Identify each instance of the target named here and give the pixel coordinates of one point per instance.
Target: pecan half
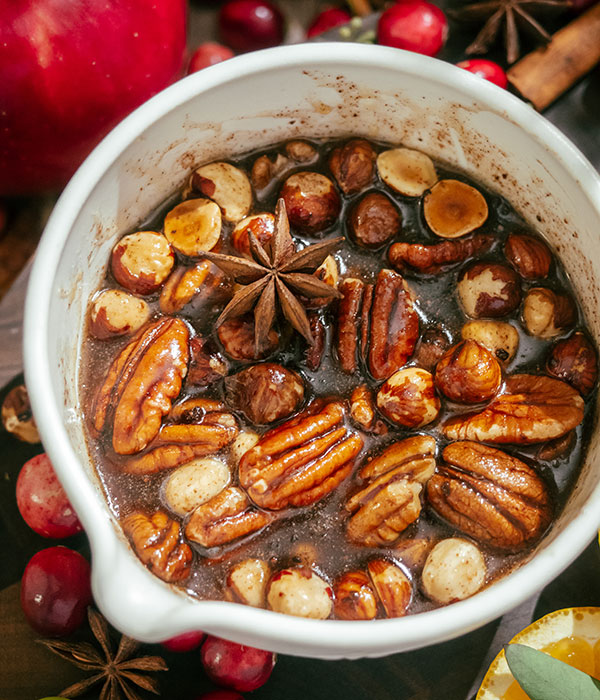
(302, 460)
(157, 542)
(225, 518)
(314, 353)
(532, 409)
(490, 495)
(354, 295)
(141, 383)
(353, 165)
(413, 457)
(430, 259)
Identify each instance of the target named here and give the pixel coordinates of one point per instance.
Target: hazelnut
(374, 220)
(311, 201)
(17, 417)
(353, 165)
(393, 587)
(195, 285)
(408, 398)
(300, 151)
(468, 373)
(142, 261)
(452, 209)
(261, 225)
(207, 365)
(194, 226)
(228, 186)
(237, 338)
(433, 344)
(247, 582)
(454, 570)
(265, 171)
(265, 393)
(547, 313)
(354, 597)
(300, 592)
(406, 171)
(115, 312)
(530, 255)
(327, 272)
(244, 441)
(574, 359)
(489, 290)
(195, 483)
(498, 337)
(362, 407)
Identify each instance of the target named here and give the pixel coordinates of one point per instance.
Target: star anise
(277, 273)
(511, 14)
(118, 672)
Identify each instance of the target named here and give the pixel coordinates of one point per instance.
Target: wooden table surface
(28, 671)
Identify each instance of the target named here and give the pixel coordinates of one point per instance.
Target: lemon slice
(571, 635)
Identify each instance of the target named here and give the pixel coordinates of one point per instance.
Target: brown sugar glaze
(320, 529)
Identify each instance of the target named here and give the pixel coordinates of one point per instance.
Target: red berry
(2, 218)
(415, 25)
(42, 501)
(326, 20)
(236, 666)
(184, 642)
(221, 695)
(208, 54)
(485, 69)
(247, 25)
(55, 591)
(581, 5)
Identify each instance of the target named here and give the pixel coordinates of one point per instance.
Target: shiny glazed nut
(301, 461)
(197, 283)
(237, 338)
(353, 307)
(247, 582)
(468, 373)
(228, 186)
(141, 383)
(194, 483)
(300, 151)
(489, 290)
(265, 392)
(429, 259)
(532, 409)
(142, 261)
(314, 353)
(555, 449)
(547, 314)
(115, 312)
(530, 256)
(406, 171)
(362, 407)
(17, 417)
(490, 495)
(408, 398)
(353, 165)
(265, 171)
(227, 517)
(156, 540)
(574, 360)
(500, 338)
(194, 226)
(311, 202)
(374, 220)
(452, 209)
(455, 569)
(413, 457)
(354, 597)
(413, 552)
(327, 272)
(432, 345)
(245, 440)
(300, 592)
(392, 586)
(207, 365)
(261, 225)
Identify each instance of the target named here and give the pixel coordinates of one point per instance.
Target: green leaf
(543, 677)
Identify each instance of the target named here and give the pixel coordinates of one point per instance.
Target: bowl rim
(342, 637)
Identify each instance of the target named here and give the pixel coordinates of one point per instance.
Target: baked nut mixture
(335, 380)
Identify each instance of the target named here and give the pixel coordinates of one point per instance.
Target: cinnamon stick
(543, 75)
(360, 7)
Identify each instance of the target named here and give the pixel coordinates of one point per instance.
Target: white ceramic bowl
(324, 90)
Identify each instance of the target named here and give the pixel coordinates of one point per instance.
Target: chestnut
(408, 398)
(489, 290)
(353, 165)
(547, 313)
(374, 221)
(468, 373)
(226, 185)
(142, 261)
(311, 201)
(194, 226)
(300, 592)
(115, 312)
(455, 569)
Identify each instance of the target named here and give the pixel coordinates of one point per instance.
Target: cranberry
(184, 642)
(208, 54)
(221, 695)
(328, 19)
(247, 25)
(55, 591)
(415, 25)
(42, 501)
(485, 69)
(236, 666)
(580, 5)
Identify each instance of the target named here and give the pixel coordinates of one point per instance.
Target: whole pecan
(141, 383)
(430, 259)
(532, 409)
(226, 517)
(490, 495)
(353, 165)
(302, 460)
(157, 541)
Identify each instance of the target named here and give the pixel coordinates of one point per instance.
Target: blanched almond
(194, 226)
(406, 171)
(195, 483)
(228, 186)
(453, 209)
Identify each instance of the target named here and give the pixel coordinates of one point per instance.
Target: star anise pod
(277, 273)
(119, 672)
(510, 14)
